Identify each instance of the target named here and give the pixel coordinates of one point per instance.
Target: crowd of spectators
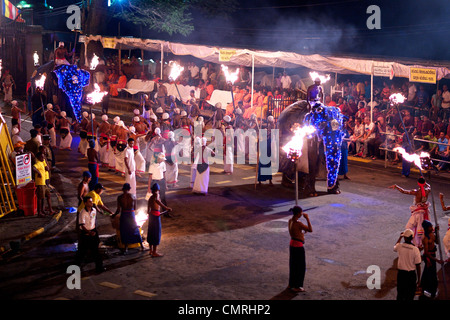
(422, 117)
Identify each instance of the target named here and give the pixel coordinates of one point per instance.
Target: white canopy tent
(276, 59)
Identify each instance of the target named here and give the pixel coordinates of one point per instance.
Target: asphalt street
(231, 244)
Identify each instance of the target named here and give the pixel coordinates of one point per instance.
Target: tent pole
(162, 60)
(371, 95)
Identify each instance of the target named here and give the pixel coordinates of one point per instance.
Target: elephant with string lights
(321, 148)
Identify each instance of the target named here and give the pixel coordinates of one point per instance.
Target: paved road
(231, 244)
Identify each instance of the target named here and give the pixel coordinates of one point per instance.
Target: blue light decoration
(72, 80)
(328, 122)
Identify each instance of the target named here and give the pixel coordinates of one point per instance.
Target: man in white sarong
(64, 130)
(83, 143)
(171, 161)
(139, 159)
(201, 182)
(119, 153)
(229, 146)
(130, 165)
(104, 131)
(50, 117)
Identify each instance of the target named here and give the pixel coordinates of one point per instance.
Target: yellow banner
(425, 75)
(109, 43)
(225, 55)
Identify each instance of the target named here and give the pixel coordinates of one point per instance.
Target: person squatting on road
(297, 260)
(408, 265)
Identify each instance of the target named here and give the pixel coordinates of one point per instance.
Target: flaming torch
(96, 96)
(94, 62)
(323, 79)
(294, 148)
(232, 78)
(175, 71)
(36, 59)
(396, 99)
(414, 158)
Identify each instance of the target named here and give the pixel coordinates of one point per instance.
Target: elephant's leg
(332, 144)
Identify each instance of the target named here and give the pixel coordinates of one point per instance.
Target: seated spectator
(431, 148)
(427, 125)
(355, 147)
(121, 83)
(370, 135)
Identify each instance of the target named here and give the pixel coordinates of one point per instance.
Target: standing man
(408, 265)
(15, 114)
(89, 239)
(129, 230)
(445, 104)
(130, 165)
(297, 261)
(419, 210)
(64, 130)
(40, 169)
(93, 160)
(50, 117)
(314, 92)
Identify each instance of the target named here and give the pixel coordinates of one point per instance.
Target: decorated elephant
(324, 146)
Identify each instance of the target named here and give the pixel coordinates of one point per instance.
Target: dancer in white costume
(201, 182)
(83, 143)
(229, 146)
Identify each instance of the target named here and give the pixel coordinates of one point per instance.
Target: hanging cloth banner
(10, 11)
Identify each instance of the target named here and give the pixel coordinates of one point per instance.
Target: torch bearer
(94, 97)
(294, 148)
(232, 78)
(175, 71)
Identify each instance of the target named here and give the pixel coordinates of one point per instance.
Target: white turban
(176, 110)
(171, 135)
(116, 119)
(132, 129)
(270, 119)
(183, 113)
(105, 117)
(238, 111)
(121, 124)
(49, 106)
(153, 117)
(63, 114)
(14, 103)
(136, 111)
(165, 116)
(15, 130)
(227, 118)
(85, 114)
(200, 119)
(136, 119)
(159, 110)
(158, 131)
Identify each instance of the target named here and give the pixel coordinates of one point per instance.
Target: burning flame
(94, 62)
(175, 70)
(140, 217)
(415, 158)
(230, 76)
(36, 58)
(96, 96)
(314, 75)
(397, 98)
(40, 83)
(295, 145)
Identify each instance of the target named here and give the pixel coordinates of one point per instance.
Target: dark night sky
(409, 28)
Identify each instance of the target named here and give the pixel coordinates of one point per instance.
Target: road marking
(145, 293)
(222, 182)
(248, 178)
(110, 285)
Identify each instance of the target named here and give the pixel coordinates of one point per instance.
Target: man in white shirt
(89, 240)
(369, 137)
(204, 72)
(156, 175)
(285, 81)
(408, 265)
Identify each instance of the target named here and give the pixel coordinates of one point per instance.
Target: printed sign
(23, 168)
(425, 75)
(109, 43)
(225, 55)
(382, 71)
